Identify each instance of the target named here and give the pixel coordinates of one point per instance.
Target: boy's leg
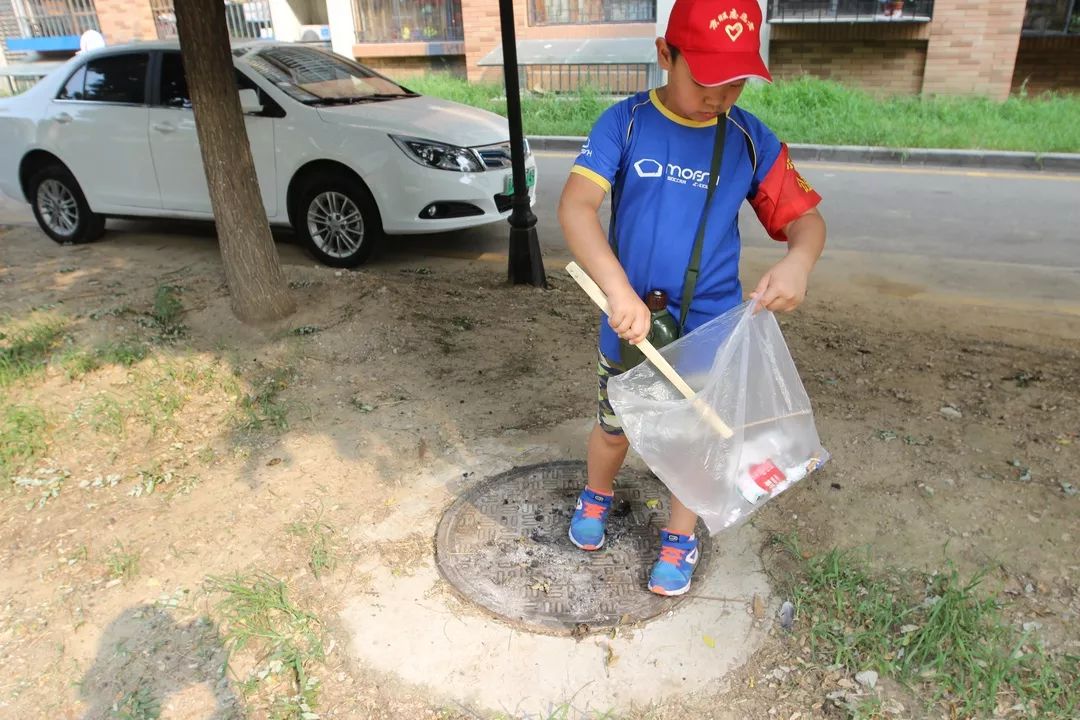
(682, 520)
(607, 448)
(607, 451)
(607, 442)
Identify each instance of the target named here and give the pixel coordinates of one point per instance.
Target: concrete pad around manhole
(419, 629)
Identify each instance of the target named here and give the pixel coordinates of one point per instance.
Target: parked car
(343, 154)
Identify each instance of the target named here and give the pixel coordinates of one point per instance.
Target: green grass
(321, 554)
(159, 396)
(25, 348)
(263, 407)
(23, 437)
(255, 611)
(940, 634)
(104, 413)
(165, 315)
(78, 362)
(122, 565)
(820, 111)
(137, 705)
(124, 352)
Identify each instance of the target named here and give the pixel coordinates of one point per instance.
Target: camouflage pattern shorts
(605, 414)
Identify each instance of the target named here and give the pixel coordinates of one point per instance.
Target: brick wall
(1048, 63)
(885, 59)
(973, 45)
(482, 34)
(402, 68)
(125, 20)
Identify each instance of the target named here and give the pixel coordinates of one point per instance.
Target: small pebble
(867, 678)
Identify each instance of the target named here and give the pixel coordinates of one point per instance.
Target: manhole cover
(504, 545)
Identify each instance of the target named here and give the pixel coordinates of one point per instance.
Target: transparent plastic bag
(740, 367)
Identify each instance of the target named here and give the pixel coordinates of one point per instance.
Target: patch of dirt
(953, 434)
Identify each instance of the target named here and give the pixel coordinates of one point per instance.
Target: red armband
(783, 196)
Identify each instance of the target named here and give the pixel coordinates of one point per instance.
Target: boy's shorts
(605, 414)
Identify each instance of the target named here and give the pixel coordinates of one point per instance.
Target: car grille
(496, 157)
(503, 202)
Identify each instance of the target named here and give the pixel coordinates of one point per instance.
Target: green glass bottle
(663, 330)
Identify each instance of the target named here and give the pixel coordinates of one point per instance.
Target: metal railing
(589, 12)
(822, 11)
(385, 21)
(54, 18)
(1052, 17)
(615, 78)
(247, 19)
(8, 28)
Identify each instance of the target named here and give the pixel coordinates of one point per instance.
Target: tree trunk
(252, 268)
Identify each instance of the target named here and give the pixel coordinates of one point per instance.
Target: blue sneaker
(589, 522)
(678, 557)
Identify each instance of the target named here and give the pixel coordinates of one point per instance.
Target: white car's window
(112, 79)
(73, 89)
(313, 76)
(174, 88)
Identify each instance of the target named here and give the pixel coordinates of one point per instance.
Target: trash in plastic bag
(740, 367)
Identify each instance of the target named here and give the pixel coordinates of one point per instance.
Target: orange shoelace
(592, 511)
(672, 555)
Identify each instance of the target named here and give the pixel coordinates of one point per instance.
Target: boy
(652, 152)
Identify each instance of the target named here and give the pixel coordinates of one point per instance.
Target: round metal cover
(504, 546)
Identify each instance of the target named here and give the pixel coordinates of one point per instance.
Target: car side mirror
(249, 102)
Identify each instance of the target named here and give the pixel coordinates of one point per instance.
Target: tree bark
(257, 286)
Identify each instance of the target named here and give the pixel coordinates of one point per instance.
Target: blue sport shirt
(656, 166)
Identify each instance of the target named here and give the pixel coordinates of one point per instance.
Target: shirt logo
(648, 168)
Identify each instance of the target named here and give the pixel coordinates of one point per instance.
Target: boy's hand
(630, 316)
(783, 288)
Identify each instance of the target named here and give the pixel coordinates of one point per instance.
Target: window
(309, 76)
(379, 21)
(115, 79)
(845, 11)
(73, 90)
(587, 12)
(174, 87)
(1052, 17)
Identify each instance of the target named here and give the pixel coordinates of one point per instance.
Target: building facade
(955, 47)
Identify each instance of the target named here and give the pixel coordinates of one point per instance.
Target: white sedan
(342, 154)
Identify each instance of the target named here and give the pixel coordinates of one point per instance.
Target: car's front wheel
(61, 208)
(338, 219)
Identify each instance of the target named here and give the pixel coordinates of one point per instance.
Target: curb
(1000, 160)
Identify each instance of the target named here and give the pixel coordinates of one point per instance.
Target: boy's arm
(578, 214)
(783, 287)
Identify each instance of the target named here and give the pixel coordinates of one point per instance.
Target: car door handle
(62, 118)
(164, 127)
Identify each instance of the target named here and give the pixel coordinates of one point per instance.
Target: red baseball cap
(720, 39)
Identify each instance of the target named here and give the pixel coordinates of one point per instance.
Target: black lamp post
(526, 265)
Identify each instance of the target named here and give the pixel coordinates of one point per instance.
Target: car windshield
(316, 77)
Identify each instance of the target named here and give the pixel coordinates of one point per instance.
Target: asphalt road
(996, 216)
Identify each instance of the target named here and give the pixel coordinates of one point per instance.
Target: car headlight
(439, 155)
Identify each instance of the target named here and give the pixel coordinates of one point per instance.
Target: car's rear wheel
(338, 219)
(61, 208)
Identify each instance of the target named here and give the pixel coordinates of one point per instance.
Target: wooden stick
(797, 413)
(707, 413)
